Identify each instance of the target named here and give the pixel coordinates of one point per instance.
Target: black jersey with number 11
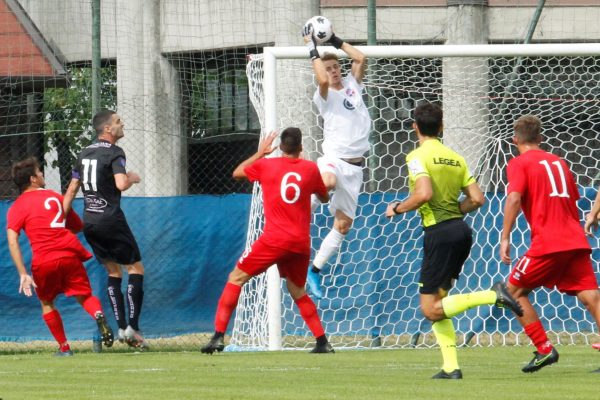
(96, 166)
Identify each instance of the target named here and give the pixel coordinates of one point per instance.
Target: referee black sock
(116, 300)
(135, 296)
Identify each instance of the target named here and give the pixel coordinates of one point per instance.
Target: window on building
(223, 128)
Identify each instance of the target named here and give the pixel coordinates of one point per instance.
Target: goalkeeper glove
(311, 43)
(336, 41)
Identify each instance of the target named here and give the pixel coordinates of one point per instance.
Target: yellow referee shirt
(448, 172)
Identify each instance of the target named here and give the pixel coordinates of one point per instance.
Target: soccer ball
(321, 28)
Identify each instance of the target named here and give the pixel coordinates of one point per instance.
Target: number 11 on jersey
(89, 174)
(563, 181)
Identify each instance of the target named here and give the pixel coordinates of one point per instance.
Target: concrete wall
(188, 25)
(141, 33)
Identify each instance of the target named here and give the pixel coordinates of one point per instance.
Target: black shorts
(112, 241)
(446, 247)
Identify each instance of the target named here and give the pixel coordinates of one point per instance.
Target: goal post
(371, 297)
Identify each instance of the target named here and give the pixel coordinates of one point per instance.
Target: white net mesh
(371, 293)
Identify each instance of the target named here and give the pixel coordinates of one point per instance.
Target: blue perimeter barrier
(190, 243)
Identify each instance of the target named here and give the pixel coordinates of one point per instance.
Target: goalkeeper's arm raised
(359, 60)
(317, 63)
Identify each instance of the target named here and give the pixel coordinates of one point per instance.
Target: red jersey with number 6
(287, 185)
(40, 214)
(548, 196)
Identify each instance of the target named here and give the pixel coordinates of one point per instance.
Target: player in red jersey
(559, 255)
(287, 184)
(57, 254)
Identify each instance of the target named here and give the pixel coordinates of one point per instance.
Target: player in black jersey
(100, 171)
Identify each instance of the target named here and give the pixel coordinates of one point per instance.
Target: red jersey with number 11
(287, 185)
(548, 196)
(40, 214)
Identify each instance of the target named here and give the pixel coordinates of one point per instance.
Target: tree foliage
(68, 115)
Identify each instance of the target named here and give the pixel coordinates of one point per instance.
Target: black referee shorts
(112, 241)
(446, 247)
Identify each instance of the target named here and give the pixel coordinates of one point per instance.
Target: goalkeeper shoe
(105, 331)
(323, 348)
(314, 284)
(505, 300)
(596, 346)
(456, 374)
(216, 343)
(135, 338)
(539, 361)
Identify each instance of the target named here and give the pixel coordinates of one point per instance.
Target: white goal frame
(272, 54)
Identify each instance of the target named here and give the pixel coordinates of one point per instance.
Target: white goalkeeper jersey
(346, 120)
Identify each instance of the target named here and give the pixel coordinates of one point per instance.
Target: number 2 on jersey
(89, 174)
(56, 222)
(563, 181)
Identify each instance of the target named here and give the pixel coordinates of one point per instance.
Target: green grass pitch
(489, 373)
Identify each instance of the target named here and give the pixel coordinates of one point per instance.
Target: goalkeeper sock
(116, 300)
(135, 294)
(55, 325)
(446, 338)
(458, 303)
(538, 337)
(331, 245)
(227, 303)
(92, 306)
(309, 314)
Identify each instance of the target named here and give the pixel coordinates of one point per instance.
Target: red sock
(55, 325)
(92, 306)
(308, 310)
(537, 334)
(227, 303)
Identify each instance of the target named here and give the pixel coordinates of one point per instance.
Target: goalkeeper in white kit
(346, 127)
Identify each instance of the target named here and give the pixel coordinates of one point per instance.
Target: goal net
(371, 293)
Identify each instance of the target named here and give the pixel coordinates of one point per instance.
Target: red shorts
(568, 271)
(65, 275)
(257, 259)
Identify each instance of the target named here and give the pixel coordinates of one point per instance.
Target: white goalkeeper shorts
(349, 179)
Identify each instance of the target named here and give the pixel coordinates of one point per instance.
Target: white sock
(331, 245)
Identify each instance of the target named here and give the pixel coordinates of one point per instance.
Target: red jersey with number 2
(287, 185)
(40, 214)
(548, 196)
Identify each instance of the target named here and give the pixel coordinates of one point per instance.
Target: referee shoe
(540, 360)
(456, 374)
(505, 300)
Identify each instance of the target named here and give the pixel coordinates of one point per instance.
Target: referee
(437, 176)
(100, 169)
